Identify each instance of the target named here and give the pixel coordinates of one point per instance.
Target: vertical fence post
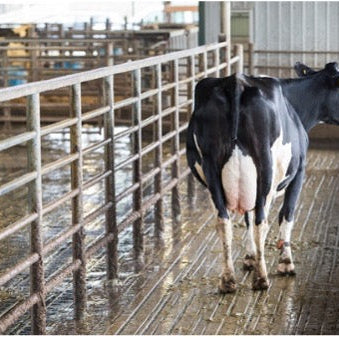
(159, 213)
(251, 58)
(190, 95)
(137, 174)
(239, 51)
(38, 312)
(111, 222)
(205, 63)
(79, 276)
(175, 142)
(33, 55)
(109, 53)
(217, 61)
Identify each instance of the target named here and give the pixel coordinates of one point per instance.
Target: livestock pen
(48, 182)
(116, 239)
(49, 53)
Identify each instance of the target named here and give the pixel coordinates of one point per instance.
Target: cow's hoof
(260, 283)
(227, 285)
(249, 262)
(286, 267)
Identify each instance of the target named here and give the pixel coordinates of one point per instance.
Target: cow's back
(262, 152)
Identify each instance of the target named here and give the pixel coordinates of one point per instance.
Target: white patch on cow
(286, 262)
(239, 176)
(200, 172)
(250, 244)
(239, 180)
(281, 158)
(196, 145)
(197, 165)
(260, 233)
(285, 230)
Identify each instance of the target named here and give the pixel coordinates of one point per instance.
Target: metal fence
(280, 63)
(186, 68)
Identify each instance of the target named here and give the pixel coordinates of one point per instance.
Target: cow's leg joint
(260, 279)
(249, 260)
(285, 265)
(227, 282)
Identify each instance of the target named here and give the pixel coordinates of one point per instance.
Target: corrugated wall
(296, 26)
(209, 21)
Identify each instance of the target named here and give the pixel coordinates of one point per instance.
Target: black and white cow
(247, 141)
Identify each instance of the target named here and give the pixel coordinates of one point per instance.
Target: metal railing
(186, 68)
(280, 63)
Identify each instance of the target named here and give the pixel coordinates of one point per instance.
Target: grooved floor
(177, 292)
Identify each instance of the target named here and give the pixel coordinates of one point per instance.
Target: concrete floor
(177, 292)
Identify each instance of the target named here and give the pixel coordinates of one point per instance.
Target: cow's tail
(235, 107)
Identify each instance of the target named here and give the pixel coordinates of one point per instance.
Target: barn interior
(103, 229)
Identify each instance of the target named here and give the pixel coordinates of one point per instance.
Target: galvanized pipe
(158, 210)
(37, 279)
(69, 80)
(190, 91)
(79, 275)
(138, 242)
(175, 142)
(110, 195)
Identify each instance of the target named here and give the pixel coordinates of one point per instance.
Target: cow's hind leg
(261, 227)
(223, 225)
(227, 282)
(286, 265)
(260, 278)
(249, 261)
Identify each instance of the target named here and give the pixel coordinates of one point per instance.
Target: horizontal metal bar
(54, 40)
(98, 244)
(128, 220)
(148, 94)
(52, 166)
(96, 179)
(126, 162)
(184, 126)
(294, 52)
(16, 140)
(151, 174)
(169, 161)
(58, 126)
(126, 192)
(57, 202)
(125, 102)
(125, 132)
(80, 48)
(18, 182)
(168, 86)
(18, 268)
(234, 60)
(49, 246)
(69, 80)
(96, 213)
(95, 113)
(17, 225)
(94, 147)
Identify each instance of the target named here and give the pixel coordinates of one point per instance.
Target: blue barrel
(17, 76)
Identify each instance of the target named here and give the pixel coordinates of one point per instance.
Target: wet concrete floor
(177, 291)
